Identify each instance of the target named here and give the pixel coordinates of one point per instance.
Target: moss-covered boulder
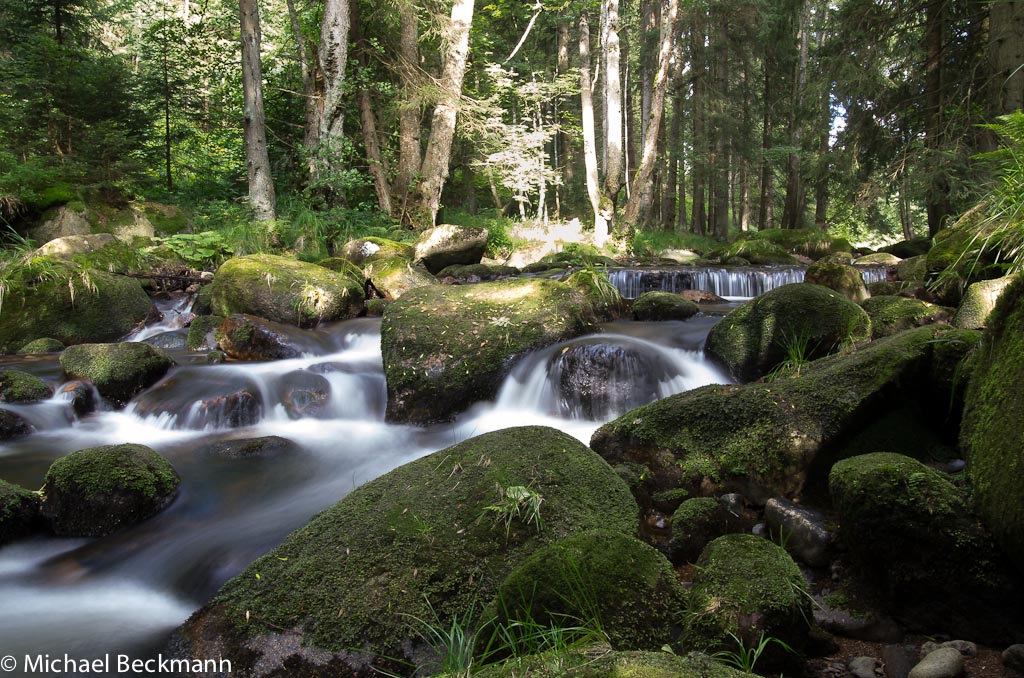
(745, 586)
(766, 440)
(284, 290)
(663, 306)
(877, 259)
(42, 345)
(394, 276)
(203, 333)
(839, 277)
(805, 242)
(446, 347)
(910, 530)
(364, 250)
(979, 301)
(755, 338)
(21, 387)
(73, 306)
(598, 290)
(905, 249)
(914, 268)
(448, 244)
(906, 288)
(340, 596)
(72, 245)
(599, 663)
(343, 266)
(474, 273)
(246, 337)
(600, 578)
(991, 435)
(118, 371)
(19, 512)
(759, 252)
(696, 523)
(100, 490)
(13, 425)
(891, 314)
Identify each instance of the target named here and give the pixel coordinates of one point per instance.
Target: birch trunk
(613, 104)
(257, 162)
(409, 114)
(333, 54)
(589, 141)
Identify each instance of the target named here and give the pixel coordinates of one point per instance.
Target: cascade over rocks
(991, 434)
(337, 596)
(446, 347)
(100, 490)
(763, 440)
(285, 291)
(751, 341)
(448, 244)
(73, 307)
(595, 379)
(911, 531)
(118, 371)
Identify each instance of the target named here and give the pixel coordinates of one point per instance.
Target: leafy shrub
(202, 250)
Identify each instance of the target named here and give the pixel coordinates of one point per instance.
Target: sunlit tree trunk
(261, 184)
(1006, 54)
(409, 114)
(311, 86)
(698, 222)
(589, 141)
(333, 54)
(612, 104)
(426, 200)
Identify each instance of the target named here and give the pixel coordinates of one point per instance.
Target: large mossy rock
(69, 246)
(21, 387)
(394, 276)
(13, 425)
(878, 259)
(284, 290)
(991, 433)
(73, 306)
(603, 664)
(892, 314)
(745, 586)
(118, 371)
(979, 301)
(696, 523)
(911, 531)
(341, 596)
(914, 268)
(839, 277)
(752, 340)
(759, 252)
(609, 580)
(805, 242)
(19, 512)
(663, 306)
(100, 490)
(447, 347)
(364, 250)
(763, 440)
(905, 249)
(448, 244)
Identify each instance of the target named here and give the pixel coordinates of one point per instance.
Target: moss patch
(43, 345)
(752, 339)
(759, 252)
(839, 277)
(696, 523)
(413, 543)
(364, 250)
(395, 276)
(447, 347)
(663, 306)
(119, 371)
(21, 387)
(604, 579)
(284, 290)
(203, 333)
(99, 490)
(891, 314)
(19, 512)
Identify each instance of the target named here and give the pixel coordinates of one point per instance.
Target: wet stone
(945, 662)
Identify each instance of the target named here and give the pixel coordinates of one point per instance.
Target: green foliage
(745, 658)
(798, 349)
(517, 503)
(202, 250)
(500, 241)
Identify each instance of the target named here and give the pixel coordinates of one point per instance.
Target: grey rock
(899, 659)
(853, 624)
(964, 647)
(945, 662)
(733, 503)
(865, 667)
(802, 529)
(1013, 657)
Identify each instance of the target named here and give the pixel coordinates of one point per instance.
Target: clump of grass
(745, 658)
(517, 503)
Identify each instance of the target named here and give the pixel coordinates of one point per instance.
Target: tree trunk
(653, 127)
(261, 184)
(426, 200)
(792, 213)
(333, 54)
(720, 164)
(698, 221)
(612, 105)
(1006, 54)
(937, 196)
(312, 96)
(589, 140)
(409, 114)
(764, 209)
(375, 162)
(564, 155)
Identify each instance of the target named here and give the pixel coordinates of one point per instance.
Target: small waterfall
(725, 282)
(873, 274)
(175, 314)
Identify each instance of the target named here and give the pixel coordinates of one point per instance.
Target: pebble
(865, 667)
(1013, 657)
(945, 662)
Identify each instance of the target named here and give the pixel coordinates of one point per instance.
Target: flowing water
(125, 593)
(731, 283)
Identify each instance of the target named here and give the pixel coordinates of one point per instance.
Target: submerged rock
(19, 512)
(597, 379)
(13, 425)
(118, 371)
(627, 587)
(267, 447)
(339, 597)
(284, 290)
(100, 490)
(758, 336)
(763, 440)
(447, 347)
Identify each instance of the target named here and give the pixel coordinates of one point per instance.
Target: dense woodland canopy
(859, 116)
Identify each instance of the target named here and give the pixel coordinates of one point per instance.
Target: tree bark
(410, 155)
(653, 127)
(719, 220)
(589, 140)
(1006, 54)
(257, 161)
(613, 104)
(375, 162)
(312, 96)
(765, 205)
(426, 200)
(792, 213)
(333, 53)
(937, 196)
(698, 222)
